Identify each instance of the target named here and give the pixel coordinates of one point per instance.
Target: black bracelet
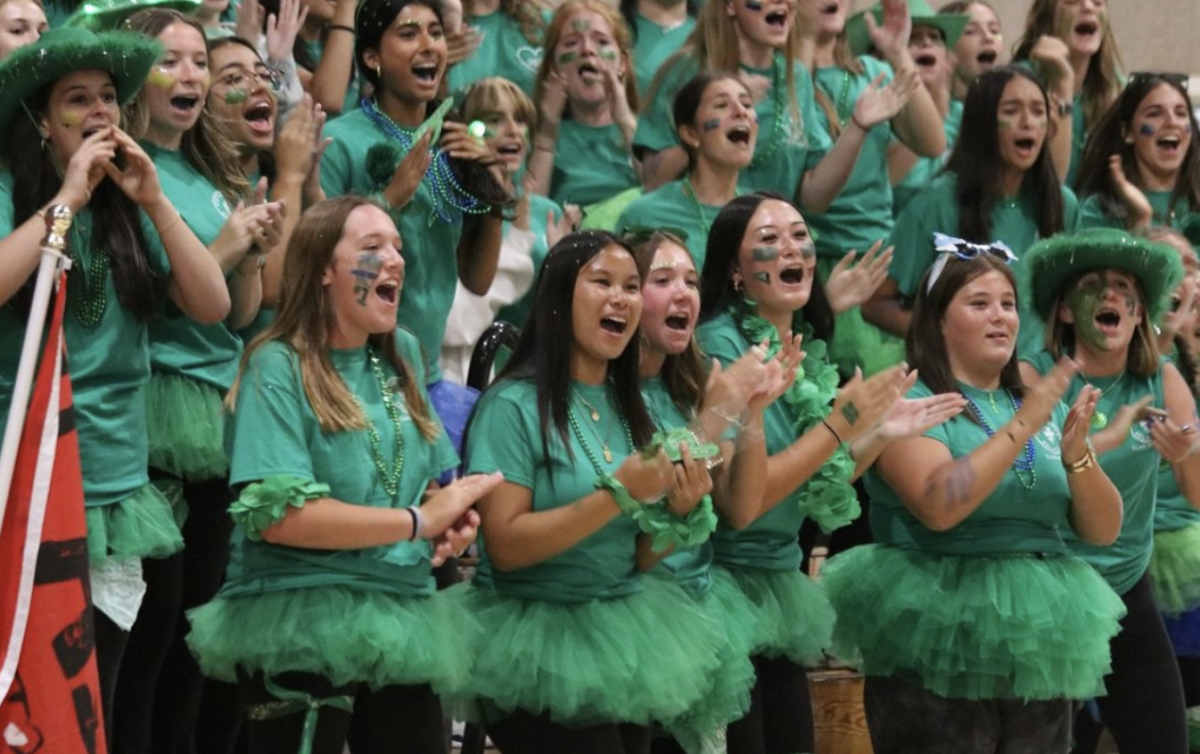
(832, 431)
(341, 27)
(415, 526)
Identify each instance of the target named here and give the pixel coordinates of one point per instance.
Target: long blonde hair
(208, 146)
(303, 323)
(554, 33)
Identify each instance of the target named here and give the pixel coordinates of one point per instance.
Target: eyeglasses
(240, 78)
(948, 247)
(1179, 79)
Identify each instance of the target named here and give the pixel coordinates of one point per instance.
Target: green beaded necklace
(389, 479)
(587, 449)
(779, 102)
(91, 301)
(843, 112)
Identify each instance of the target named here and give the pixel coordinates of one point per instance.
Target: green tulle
(185, 426)
(264, 504)
(1193, 728)
(140, 526)
(650, 656)
(794, 619)
(668, 531)
(341, 633)
(974, 627)
(1175, 570)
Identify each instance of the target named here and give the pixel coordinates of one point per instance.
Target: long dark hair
(684, 374)
(721, 255)
(687, 103)
(976, 161)
(1109, 138)
(375, 17)
(116, 224)
(926, 345)
(543, 355)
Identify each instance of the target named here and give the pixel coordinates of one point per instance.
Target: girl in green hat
(979, 47)
(63, 144)
(1100, 292)
(974, 624)
(1141, 166)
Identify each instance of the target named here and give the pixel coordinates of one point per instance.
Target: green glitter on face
(235, 96)
(609, 55)
(581, 24)
(765, 277)
(1083, 303)
(808, 249)
(568, 57)
(764, 254)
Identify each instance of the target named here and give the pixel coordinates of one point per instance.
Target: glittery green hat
(1052, 263)
(99, 15)
(950, 24)
(125, 55)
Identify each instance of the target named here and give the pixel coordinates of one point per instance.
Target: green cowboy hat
(125, 55)
(1051, 264)
(950, 24)
(99, 15)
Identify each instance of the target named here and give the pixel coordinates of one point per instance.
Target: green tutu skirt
(795, 620)
(1175, 570)
(728, 698)
(140, 526)
(341, 633)
(646, 657)
(185, 426)
(974, 627)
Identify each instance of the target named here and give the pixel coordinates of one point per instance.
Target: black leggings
(526, 733)
(110, 648)
(392, 719)
(780, 717)
(1144, 705)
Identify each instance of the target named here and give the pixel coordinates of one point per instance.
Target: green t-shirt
(503, 51)
(506, 436)
(671, 206)
(1172, 511)
(273, 432)
(109, 365)
(178, 345)
(1012, 519)
(935, 210)
(862, 213)
(1133, 468)
(654, 44)
(1097, 212)
(771, 542)
(58, 11)
(539, 208)
(800, 149)
(591, 164)
(430, 245)
(689, 567)
(927, 168)
(316, 50)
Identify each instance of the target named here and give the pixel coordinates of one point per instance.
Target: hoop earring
(739, 286)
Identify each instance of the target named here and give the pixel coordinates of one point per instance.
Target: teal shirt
(273, 431)
(178, 345)
(1098, 212)
(780, 160)
(690, 567)
(430, 256)
(539, 211)
(506, 436)
(591, 164)
(58, 11)
(935, 210)
(1133, 468)
(503, 51)
(353, 89)
(671, 206)
(927, 168)
(1172, 511)
(653, 45)
(109, 365)
(770, 543)
(1012, 519)
(862, 213)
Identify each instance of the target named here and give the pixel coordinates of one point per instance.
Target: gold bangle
(1083, 464)
(171, 224)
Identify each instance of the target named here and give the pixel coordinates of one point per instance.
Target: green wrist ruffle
(829, 499)
(263, 504)
(664, 527)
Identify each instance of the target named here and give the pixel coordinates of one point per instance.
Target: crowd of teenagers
(770, 270)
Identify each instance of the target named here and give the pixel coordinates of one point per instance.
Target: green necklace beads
(389, 479)
(779, 127)
(843, 111)
(91, 286)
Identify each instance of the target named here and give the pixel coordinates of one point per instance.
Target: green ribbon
(290, 702)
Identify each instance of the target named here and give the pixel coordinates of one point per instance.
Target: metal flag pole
(54, 261)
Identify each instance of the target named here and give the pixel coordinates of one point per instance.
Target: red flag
(48, 680)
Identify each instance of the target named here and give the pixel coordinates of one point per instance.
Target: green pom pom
(382, 161)
(263, 504)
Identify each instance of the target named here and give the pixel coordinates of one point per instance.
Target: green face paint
(1083, 303)
(581, 24)
(711, 125)
(568, 57)
(764, 254)
(70, 118)
(1004, 124)
(808, 249)
(235, 96)
(609, 55)
(765, 277)
(366, 270)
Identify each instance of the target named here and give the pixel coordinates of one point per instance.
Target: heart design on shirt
(530, 57)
